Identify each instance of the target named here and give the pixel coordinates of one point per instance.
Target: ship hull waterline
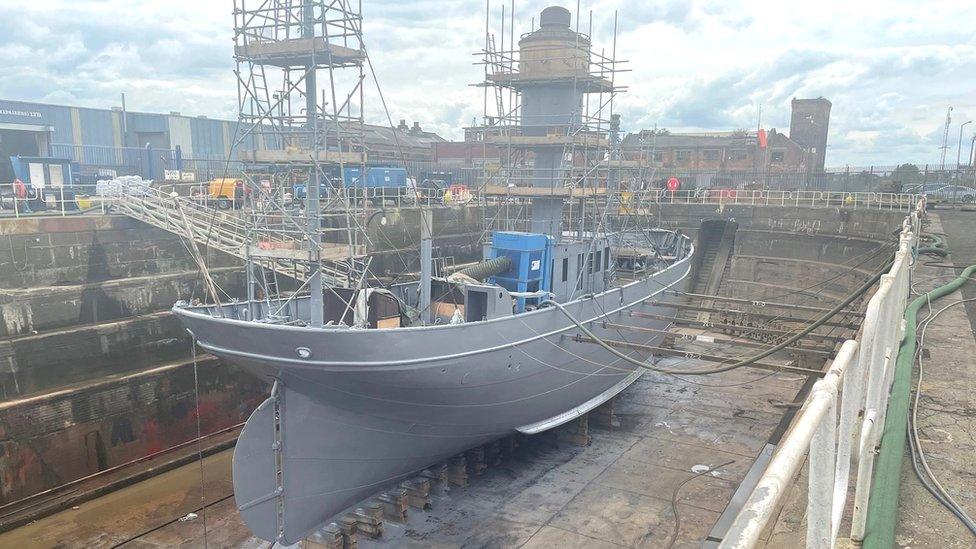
(354, 410)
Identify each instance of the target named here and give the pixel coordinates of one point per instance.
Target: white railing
(54, 200)
(798, 199)
(859, 380)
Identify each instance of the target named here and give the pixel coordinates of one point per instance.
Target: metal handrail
(859, 380)
(853, 200)
(211, 227)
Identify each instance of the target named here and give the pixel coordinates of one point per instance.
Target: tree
(906, 175)
(865, 180)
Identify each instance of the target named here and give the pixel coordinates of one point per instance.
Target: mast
(312, 207)
(426, 221)
(285, 51)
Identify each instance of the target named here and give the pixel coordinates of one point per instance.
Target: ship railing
(840, 424)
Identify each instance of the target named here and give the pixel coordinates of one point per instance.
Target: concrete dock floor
(947, 409)
(615, 492)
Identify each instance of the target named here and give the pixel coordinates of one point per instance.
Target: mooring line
(196, 395)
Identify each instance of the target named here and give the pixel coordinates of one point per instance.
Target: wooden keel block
(576, 431)
(394, 504)
(418, 493)
(476, 460)
(457, 471)
(329, 537)
(493, 453)
(604, 416)
(349, 526)
(437, 475)
(508, 446)
(370, 520)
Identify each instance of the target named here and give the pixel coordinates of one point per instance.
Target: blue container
(531, 257)
(375, 178)
(43, 170)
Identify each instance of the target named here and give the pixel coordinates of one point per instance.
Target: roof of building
(737, 138)
(687, 140)
(388, 136)
(381, 135)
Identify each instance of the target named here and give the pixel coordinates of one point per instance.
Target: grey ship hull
(369, 407)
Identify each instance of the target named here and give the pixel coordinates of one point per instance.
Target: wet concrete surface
(121, 517)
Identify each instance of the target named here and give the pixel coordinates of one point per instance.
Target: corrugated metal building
(198, 137)
(97, 138)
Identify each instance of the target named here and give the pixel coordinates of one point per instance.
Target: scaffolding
(581, 144)
(300, 74)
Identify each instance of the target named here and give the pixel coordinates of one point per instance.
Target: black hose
(746, 361)
(486, 269)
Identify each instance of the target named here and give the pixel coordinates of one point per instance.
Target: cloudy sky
(890, 68)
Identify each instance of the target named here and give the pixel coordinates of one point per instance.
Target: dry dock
(640, 476)
(616, 491)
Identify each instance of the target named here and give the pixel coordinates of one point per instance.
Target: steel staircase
(281, 249)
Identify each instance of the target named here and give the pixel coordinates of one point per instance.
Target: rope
(741, 363)
(196, 395)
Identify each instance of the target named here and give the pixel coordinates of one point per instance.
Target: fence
(98, 162)
(55, 200)
(150, 163)
(904, 178)
(858, 383)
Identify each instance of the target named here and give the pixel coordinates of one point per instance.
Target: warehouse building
(104, 139)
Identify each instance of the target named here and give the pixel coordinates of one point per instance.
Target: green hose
(883, 501)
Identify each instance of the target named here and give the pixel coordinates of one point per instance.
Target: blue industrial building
(198, 137)
(100, 142)
(101, 139)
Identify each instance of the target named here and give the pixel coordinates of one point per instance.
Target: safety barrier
(857, 384)
(805, 199)
(57, 200)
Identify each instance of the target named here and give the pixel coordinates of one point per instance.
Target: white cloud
(890, 67)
